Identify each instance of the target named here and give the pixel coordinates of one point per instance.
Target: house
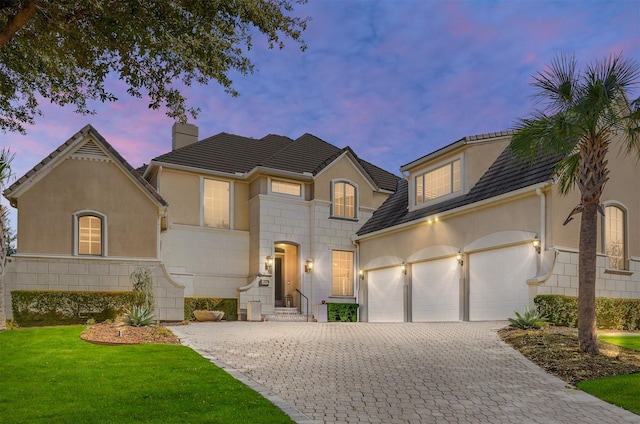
(473, 234)
(267, 220)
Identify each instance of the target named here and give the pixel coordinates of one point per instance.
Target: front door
(278, 275)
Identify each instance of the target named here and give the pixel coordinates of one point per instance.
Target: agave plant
(139, 317)
(530, 319)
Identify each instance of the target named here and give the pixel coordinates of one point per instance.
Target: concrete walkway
(394, 373)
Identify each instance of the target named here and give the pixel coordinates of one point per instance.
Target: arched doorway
(285, 274)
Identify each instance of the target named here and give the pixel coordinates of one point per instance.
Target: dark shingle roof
(505, 175)
(84, 132)
(236, 154)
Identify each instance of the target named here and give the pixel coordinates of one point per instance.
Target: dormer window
(438, 182)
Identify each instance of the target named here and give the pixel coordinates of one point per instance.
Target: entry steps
(286, 314)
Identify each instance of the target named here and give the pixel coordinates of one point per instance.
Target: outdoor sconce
(403, 268)
(268, 264)
(459, 258)
(361, 273)
(308, 266)
(536, 244)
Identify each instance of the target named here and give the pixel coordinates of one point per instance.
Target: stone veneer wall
(609, 283)
(93, 274)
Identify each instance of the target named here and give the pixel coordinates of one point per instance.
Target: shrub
(611, 313)
(342, 312)
(143, 282)
(531, 319)
(227, 305)
(32, 308)
(139, 317)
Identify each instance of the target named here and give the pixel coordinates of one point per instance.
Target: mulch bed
(117, 334)
(556, 350)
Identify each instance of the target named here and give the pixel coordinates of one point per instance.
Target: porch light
(361, 273)
(308, 266)
(536, 244)
(268, 264)
(459, 258)
(403, 268)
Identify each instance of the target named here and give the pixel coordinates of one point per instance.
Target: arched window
(614, 237)
(90, 233)
(344, 200)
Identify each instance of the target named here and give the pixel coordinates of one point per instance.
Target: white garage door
(385, 299)
(435, 291)
(498, 282)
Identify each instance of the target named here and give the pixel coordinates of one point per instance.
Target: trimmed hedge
(611, 313)
(35, 308)
(342, 312)
(228, 305)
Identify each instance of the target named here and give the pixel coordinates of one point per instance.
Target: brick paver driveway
(394, 373)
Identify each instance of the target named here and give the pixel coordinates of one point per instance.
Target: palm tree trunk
(587, 334)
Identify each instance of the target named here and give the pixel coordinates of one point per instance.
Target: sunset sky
(393, 79)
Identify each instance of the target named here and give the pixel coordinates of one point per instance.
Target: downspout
(543, 219)
(357, 270)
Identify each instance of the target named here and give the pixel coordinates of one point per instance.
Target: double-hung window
(344, 200)
(438, 182)
(615, 237)
(342, 273)
(216, 203)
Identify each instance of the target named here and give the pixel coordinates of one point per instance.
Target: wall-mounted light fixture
(403, 268)
(459, 258)
(536, 244)
(268, 264)
(361, 273)
(308, 266)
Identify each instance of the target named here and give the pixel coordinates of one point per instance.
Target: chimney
(183, 135)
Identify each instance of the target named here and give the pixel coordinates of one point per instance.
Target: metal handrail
(300, 296)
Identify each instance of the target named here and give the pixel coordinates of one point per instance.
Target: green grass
(50, 375)
(629, 341)
(621, 390)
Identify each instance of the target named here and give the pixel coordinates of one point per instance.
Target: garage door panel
(385, 299)
(435, 291)
(497, 282)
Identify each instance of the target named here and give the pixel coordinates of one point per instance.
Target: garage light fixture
(459, 258)
(361, 273)
(268, 264)
(403, 268)
(536, 244)
(308, 266)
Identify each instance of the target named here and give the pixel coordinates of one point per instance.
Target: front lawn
(50, 375)
(620, 390)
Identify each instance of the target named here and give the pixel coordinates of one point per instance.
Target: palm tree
(582, 114)
(5, 174)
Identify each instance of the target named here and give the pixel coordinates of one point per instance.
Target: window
(344, 200)
(342, 273)
(216, 201)
(284, 187)
(438, 182)
(90, 235)
(614, 237)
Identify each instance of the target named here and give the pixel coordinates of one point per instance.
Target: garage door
(497, 282)
(385, 299)
(435, 291)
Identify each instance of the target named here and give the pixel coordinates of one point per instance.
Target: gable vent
(90, 151)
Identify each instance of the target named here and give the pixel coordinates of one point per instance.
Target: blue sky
(393, 79)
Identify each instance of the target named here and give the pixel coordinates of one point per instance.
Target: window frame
(351, 273)
(103, 233)
(346, 183)
(625, 236)
(284, 181)
(423, 172)
(230, 203)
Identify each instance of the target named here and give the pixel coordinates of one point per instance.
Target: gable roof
(506, 174)
(307, 155)
(67, 147)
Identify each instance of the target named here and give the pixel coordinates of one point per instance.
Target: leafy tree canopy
(64, 50)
